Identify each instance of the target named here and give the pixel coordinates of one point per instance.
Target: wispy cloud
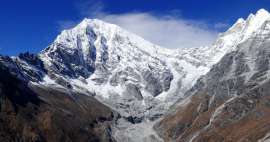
(168, 30)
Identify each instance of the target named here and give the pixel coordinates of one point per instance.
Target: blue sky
(31, 25)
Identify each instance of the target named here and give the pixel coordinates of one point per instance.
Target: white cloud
(167, 30)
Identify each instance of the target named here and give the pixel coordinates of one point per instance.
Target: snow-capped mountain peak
(112, 33)
(108, 61)
(255, 22)
(117, 65)
(262, 13)
(242, 30)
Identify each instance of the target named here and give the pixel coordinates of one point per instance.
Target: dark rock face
(32, 59)
(156, 85)
(34, 113)
(71, 62)
(27, 67)
(133, 120)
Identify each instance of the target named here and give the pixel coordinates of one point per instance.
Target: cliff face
(35, 113)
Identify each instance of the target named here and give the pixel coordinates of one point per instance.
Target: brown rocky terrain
(196, 122)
